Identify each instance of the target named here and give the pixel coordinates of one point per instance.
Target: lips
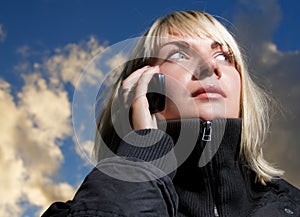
(207, 92)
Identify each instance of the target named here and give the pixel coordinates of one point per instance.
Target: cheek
(232, 81)
(233, 92)
(176, 90)
(237, 86)
(175, 75)
(176, 78)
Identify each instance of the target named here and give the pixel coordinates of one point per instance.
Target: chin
(205, 112)
(206, 116)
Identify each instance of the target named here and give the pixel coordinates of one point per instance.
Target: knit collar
(213, 174)
(190, 138)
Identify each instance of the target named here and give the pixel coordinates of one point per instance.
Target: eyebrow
(216, 45)
(181, 44)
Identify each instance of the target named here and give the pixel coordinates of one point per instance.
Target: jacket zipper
(206, 137)
(216, 213)
(207, 130)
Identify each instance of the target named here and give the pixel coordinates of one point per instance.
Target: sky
(45, 47)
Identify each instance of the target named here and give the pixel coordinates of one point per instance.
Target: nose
(206, 69)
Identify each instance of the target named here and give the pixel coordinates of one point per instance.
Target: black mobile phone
(156, 93)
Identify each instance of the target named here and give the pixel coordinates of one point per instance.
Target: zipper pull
(207, 131)
(216, 213)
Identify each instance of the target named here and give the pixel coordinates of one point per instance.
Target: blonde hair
(254, 105)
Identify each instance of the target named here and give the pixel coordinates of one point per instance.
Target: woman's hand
(134, 89)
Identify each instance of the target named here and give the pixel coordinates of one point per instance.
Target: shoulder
(283, 187)
(283, 196)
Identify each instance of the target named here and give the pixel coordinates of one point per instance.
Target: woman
(202, 154)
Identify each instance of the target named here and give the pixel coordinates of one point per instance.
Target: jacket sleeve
(135, 182)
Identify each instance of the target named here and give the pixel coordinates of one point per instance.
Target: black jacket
(211, 179)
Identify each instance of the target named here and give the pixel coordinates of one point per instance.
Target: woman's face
(201, 79)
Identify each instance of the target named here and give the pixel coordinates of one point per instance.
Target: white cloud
(28, 143)
(257, 20)
(118, 60)
(23, 51)
(68, 62)
(11, 164)
(85, 151)
(278, 71)
(2, 33)
(281, 71)
(33, 124)
(49, 108)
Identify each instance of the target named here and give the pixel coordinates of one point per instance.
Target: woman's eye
(223, 57)
(177, 56)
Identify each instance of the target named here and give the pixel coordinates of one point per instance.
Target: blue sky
(44, 46)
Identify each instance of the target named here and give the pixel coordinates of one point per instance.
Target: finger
(140, 105)
(136, 99)
(127, 88)
(136, 84)
(133, 77)
(143, 82)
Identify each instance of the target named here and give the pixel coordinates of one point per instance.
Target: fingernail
(152, 68)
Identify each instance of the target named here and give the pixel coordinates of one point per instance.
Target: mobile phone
(156, 93)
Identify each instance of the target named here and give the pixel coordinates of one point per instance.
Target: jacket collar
(198, 142)
(213, 173)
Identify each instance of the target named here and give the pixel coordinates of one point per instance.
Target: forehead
(198, 44)
(191, 31)
(166, 34)
(190, 41)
